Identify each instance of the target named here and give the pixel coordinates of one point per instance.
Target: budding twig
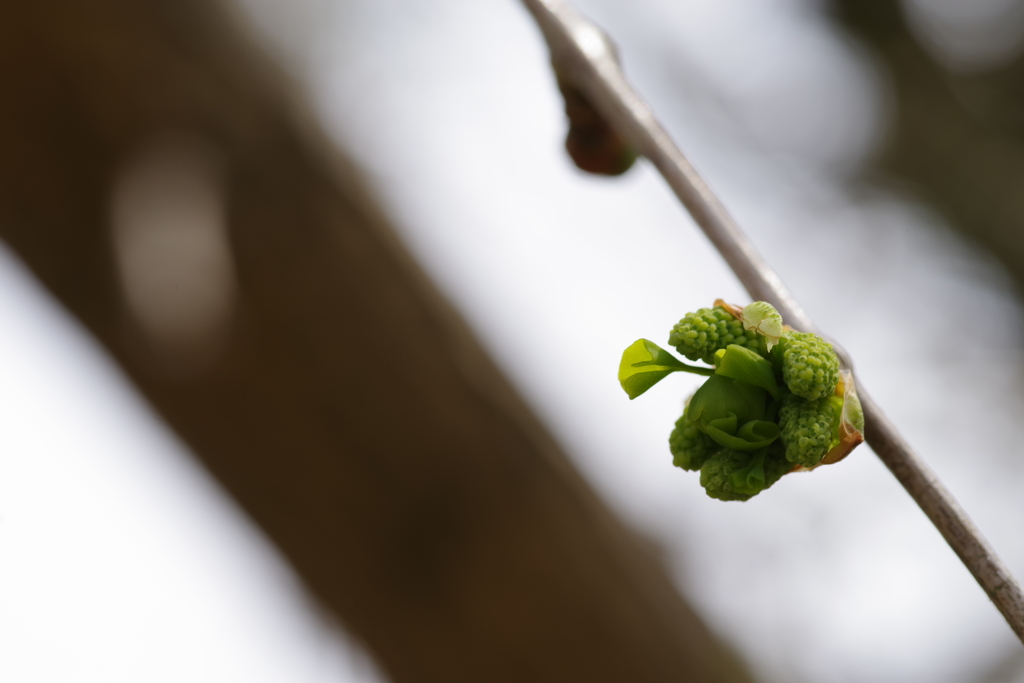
(582, 54)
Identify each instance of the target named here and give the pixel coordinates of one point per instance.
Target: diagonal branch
(583, 54)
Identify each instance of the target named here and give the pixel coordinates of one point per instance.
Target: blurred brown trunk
(957, 138)
(351, 413)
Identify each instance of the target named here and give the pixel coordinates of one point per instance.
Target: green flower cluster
(810, 367)
(769, 405)
(735, 475)
(690, 446)
(699, 335)
(807, 427)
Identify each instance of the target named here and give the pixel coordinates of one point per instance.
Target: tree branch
(582, 53)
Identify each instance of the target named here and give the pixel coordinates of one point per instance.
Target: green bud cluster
(690, 446)
(810, 368)
(769, 404)
(699, 335)
(735, 475)
(808, 428)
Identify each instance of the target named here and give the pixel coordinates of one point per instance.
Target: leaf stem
(681, 367)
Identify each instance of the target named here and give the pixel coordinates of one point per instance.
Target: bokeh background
(872, 151)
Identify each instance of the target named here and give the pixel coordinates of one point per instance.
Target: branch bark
(350, 412)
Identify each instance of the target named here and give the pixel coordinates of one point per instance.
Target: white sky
(121, 561)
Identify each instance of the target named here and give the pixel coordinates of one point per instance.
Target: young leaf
(739, 362)
(750, 480)
(752, 436)
(850, 424)
(728, 425)
(761, 317)
(721, 397)
(644, 364)
(754, 398)
(835, 403)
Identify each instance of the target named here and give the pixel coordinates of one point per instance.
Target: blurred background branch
(956, 136)
(159, 178)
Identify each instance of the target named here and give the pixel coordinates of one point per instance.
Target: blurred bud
(595, 147)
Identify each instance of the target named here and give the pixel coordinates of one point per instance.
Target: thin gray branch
(582, 53)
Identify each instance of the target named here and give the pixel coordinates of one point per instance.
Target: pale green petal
(761, 317)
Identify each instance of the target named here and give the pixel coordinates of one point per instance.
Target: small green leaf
(644, 364)
(754, 398)
(750, 437)
(739, 362)
(750, 480)
(853, 413)
(835, 404)
(721, 397)
(727, 425)
(759, 430)
(761, 317)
